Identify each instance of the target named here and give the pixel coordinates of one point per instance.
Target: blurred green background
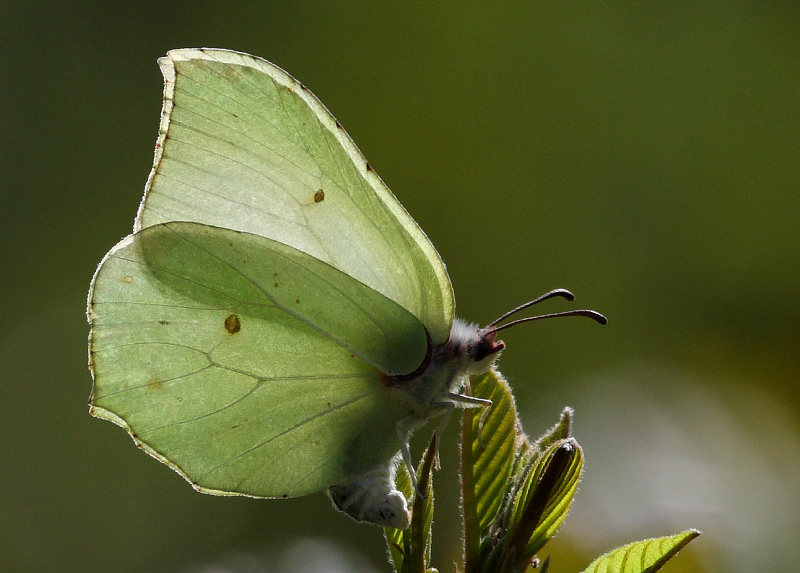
(645, 155)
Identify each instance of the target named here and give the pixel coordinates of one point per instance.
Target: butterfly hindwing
(246, 365)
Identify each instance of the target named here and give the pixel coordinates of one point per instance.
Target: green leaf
(645, 556)
(488, 438)
(562, 465)
(528, 452)
(492, 450)
(417, 538)
(560, 431)
(539, 507)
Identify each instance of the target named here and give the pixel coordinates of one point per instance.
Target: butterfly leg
(464, 401)
(472, 402)
(445, 410)
(404, 429)
(407, 425)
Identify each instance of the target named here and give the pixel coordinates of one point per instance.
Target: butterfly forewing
(245, 146)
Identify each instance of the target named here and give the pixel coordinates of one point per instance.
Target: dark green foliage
(515, 495)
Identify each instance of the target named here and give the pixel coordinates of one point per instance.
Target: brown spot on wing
(319, 196)
(233, 324)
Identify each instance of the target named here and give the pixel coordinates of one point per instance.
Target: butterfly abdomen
(373, 498)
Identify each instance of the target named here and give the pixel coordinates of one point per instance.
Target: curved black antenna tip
(593, 314)
(561, 292)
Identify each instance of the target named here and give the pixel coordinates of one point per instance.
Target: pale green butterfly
(277, 323)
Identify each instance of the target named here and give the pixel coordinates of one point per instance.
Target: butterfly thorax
(469, 350)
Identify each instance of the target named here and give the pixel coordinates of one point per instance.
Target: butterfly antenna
(555, 292)
(594, 315)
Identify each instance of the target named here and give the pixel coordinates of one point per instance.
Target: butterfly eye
(480, 351)
(487, 346)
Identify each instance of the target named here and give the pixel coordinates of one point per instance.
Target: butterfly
(277, 323)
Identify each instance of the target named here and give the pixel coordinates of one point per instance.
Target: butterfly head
(479, 347)
(484, 351)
